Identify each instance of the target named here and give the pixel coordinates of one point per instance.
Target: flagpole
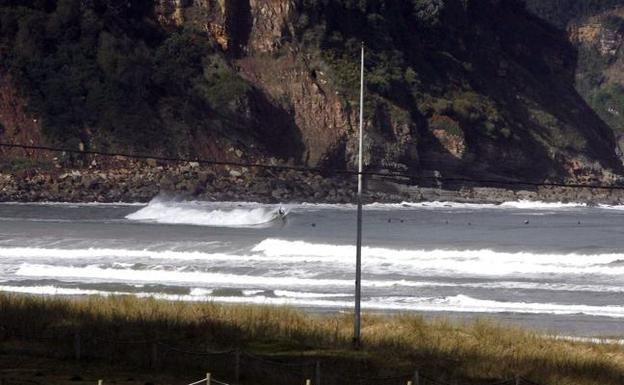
(358, 255)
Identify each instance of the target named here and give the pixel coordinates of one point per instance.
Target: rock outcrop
(482, 90)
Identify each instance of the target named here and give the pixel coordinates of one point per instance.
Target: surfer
(281, 212)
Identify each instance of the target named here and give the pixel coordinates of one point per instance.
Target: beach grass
(470, 352)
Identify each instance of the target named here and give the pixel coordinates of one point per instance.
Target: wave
(520, 204)
(539, 205)
(454, 304)
(192, 213)
(458, 303)
(483, 262)
(284, 284)
(319, 258)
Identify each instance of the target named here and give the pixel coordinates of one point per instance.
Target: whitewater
(553, 266)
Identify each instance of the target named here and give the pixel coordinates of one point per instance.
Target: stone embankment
(142, 181)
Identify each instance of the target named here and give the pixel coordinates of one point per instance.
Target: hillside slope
(477, 88)
(596, 29)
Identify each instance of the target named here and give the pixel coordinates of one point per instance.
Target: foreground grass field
(176, 338)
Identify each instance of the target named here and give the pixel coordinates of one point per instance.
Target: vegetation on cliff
(456, 86)
(597, 29)
(561, 12)
(468, 77)
(101, 73)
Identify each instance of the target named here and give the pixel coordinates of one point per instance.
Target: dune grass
(470, 352)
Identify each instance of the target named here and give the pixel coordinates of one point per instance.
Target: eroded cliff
(454, 88)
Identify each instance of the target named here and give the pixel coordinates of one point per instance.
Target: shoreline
(546, 324)
(140, 183)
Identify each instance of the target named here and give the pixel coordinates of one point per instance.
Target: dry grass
(472, 352)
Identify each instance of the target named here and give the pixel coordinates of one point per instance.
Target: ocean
(554, 267)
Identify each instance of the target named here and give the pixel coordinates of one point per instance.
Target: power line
(319, 170)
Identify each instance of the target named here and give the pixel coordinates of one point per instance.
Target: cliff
(596, 29)
(479, 89)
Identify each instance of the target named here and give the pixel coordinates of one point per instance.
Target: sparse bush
(428, 11)
(445, 123)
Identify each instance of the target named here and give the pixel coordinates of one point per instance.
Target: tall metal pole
(358, 254)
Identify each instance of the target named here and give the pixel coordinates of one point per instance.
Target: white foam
(315, 258)
(99, 274)
(590, 340)
(458, 303)
(463, 262)
(463, 303)
(520, 205)
(539, 205)
(167, 276)
(53, 290)
(297, 294)
(199, 291)
(190, 213)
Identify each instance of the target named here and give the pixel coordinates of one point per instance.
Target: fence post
(308, 382)
(416, 378)
(237, 356)
(317, 373)
(409, 382)
(77, 346)
(207, 378)
(100, 382)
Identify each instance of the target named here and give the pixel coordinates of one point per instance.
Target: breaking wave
(203, 214)
(457, 303)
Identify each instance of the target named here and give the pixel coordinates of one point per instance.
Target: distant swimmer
(389, 220)
(313, 225)
(526, 221)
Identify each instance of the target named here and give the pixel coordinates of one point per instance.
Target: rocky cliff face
(596, 29)
(16, 125)
(600, 71)
(465, 88)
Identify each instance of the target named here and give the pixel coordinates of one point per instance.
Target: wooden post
(237, 366)
(409, 382)
(416, 378)
(308, 382)
(77, 346)
(100, 382)
(317, 373)
(207, 378)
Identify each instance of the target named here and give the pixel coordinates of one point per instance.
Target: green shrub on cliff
(609, 103)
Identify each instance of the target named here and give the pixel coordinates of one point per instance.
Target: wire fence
(415, 178)
(235, 365)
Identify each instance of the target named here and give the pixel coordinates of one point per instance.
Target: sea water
(555, 267)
